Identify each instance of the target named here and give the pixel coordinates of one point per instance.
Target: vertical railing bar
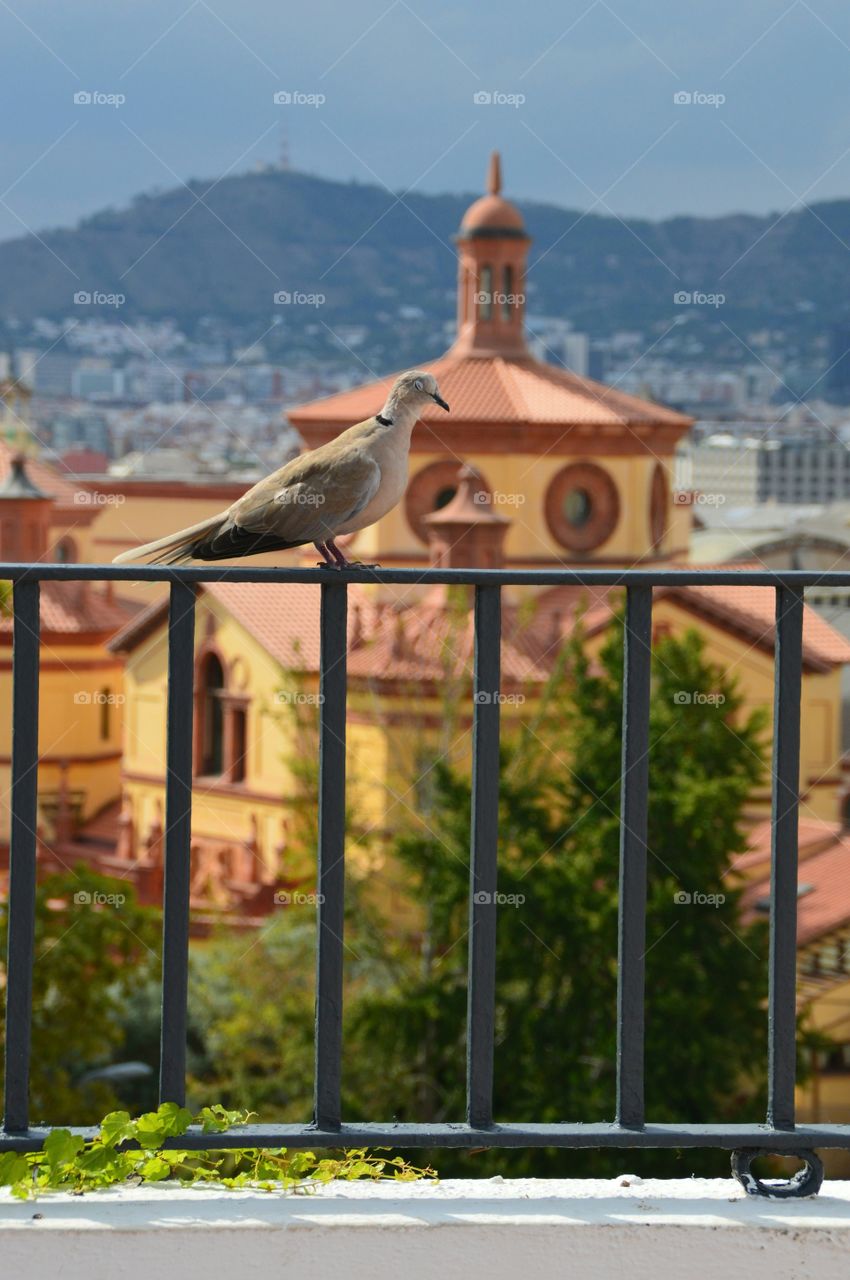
(22, 853)
(782, 1014)
(178, 838)
(483, 872)
(331, 857)
(634, 803)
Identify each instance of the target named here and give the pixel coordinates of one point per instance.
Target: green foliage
(126, 1150)
(557, 930)
(95, 947)
(557, 936)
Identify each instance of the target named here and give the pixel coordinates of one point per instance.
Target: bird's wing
(312, 496)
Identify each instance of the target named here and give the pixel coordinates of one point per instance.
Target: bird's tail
(174, 548)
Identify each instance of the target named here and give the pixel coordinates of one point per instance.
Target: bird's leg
(337, 554)
(326, 557)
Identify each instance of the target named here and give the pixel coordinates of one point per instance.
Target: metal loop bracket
(805, 1182)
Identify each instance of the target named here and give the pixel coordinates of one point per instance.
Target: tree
(557, 936)
(95, 948)
(557, 929)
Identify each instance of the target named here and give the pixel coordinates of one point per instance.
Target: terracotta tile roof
(77, 608)
(495, 389)
(751, 610)
(813, 836)
(420, 642)
(429, 641)
(823, 902)
(389, 643)
(44, 476)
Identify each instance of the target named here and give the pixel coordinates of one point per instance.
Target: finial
(494, 174)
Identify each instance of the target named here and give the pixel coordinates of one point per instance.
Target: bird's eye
(418, 384)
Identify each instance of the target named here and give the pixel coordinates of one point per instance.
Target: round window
(430, 490)
(582, 506)
(577, 507)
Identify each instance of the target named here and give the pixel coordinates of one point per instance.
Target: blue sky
(584, 108)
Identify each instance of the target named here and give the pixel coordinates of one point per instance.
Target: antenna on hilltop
(283, 162)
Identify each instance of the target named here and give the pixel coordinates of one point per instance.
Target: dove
(341, 487)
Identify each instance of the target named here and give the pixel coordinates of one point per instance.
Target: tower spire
(492, 245)
(494, 174)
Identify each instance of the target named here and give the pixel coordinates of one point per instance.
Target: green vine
(68, 1162)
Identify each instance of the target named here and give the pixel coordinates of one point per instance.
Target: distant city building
(47, 373)
(78, 429)
(838, 375)
(736, 470)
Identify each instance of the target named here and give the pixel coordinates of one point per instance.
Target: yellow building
(81, 682)
(534, 467)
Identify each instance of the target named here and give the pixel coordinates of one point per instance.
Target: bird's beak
(440, 401)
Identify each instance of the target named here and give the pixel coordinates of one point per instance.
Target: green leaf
(176, 1119)
(116, 1127)
(168, 1121)
(155, 1169)
(14, 1168)
(61, 1146)
(216, 1119)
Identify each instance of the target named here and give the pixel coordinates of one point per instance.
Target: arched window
(105, 700)
(507, 292)
(485, 293)
(239, 745)
(212, 717)
(66, 550)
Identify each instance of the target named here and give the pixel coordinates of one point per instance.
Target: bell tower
(492, 249)
(24, 515)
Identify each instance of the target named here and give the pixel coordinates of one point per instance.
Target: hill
(225, 249)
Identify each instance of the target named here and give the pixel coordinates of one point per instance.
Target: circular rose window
(582, 506)
(430, 490)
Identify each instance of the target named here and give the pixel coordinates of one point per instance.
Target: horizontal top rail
(691, 577)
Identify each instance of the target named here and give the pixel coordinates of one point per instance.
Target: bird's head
(413, 390)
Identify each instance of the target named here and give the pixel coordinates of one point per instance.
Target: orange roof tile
(823, 902)
(813, 835)
(496, 389)
(76, 608)
(752, 609)
(45, 477)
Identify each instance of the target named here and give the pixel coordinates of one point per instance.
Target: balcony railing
(778, 1133)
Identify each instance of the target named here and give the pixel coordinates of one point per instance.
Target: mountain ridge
(225, 248)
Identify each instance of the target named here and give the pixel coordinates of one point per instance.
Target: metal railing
(778, 1133)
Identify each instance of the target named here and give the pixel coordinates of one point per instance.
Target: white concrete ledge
(466, 1229)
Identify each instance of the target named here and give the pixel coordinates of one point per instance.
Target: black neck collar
(385, 422)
